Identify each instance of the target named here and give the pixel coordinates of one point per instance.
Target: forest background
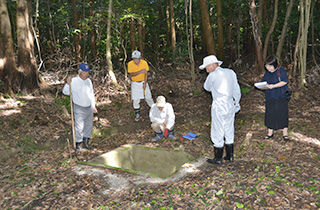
(42, 42)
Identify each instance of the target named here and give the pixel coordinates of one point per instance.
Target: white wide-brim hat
(210, 59)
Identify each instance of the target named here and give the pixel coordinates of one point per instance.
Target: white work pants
(222, 126)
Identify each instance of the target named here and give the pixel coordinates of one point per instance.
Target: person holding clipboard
(276, 114)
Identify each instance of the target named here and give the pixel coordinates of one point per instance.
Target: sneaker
(172, 137)
(137, 118)
(157, 138)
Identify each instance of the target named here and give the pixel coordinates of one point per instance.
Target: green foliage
(245, 90)
(63, 101)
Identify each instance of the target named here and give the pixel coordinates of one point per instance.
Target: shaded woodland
(43, 42)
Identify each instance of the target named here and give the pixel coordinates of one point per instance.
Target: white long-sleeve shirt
(225, 90)
(166, 115)
(82, 92)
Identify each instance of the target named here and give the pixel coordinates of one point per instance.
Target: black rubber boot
(78, 147)
(218, 152)
(86, 143)
(137, 115)
(229, 152)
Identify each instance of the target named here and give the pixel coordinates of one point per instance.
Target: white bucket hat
(209, 60)
(136, 54)
(161, 101)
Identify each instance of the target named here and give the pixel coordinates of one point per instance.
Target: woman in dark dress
(276, 116)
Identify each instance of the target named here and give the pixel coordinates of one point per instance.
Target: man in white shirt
(83, 105)
(162, 117)
(226, 94)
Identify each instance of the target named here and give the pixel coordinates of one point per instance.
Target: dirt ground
(37, 161)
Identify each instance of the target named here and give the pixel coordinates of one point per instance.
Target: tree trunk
(173, 29)
(305, 6)
(257, 40)
(284, 29)
(108, 48)
(260, 16)
(26, 62)
(168, 38)
(142, 36)
(266, 41)
(207, 29)
(190, 37)
(133, 35)
(92, 32)
(220, 30)
(77, 34)
(9, 74)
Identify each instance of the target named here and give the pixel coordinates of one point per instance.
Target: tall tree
(190, 37)
(92, 32)
(108, 47)
(141, 35)
(173, 28)
(207, 29)
(9, 74)
(26, 61)
(220, 29)
(133, 34)
(257, 39)
(273, 24)
(284, 29)
(305, 8)
(77, 32)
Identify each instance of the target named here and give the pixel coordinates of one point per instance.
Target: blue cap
(84, 67)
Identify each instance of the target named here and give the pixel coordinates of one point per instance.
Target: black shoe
(268, 137)
(78, 147)
(286, 138)
(86, 143)
(217, 156)
(229, 152)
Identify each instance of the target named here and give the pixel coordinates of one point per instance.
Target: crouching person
(83, 105)
(162, 118)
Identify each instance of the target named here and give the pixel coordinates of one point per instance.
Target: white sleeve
(153, 115)
(208, 83)
(66, 89)
(93, 99)
(236, 91)
(171, 117)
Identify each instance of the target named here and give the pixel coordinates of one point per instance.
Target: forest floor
(37, 167)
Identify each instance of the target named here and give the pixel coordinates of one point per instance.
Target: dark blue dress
(276, 116)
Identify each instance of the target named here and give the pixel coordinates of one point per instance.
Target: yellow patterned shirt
(132, 68)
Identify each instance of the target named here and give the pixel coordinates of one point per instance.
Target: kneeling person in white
(83, 105)
(162, 118)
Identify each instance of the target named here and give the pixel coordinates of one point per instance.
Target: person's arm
(66, 90)
(171, 117)
(277, 85)
(153, 116)
(133, 74)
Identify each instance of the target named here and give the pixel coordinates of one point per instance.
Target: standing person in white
(226, 94)
(83, 105)
(162, 117)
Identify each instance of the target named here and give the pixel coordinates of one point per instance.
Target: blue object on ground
(192, 135)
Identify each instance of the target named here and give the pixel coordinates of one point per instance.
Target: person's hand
(68, 80)
(95, 110)
(166, 132)
(143, 71)
(144, 85)
(165, 123)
